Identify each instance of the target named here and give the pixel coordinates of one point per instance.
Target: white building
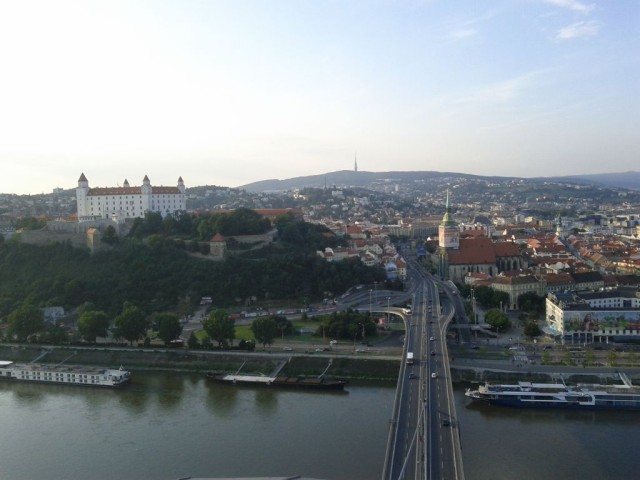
(599, 316)
(121, 203)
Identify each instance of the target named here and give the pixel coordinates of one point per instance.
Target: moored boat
(66, 375)
(559, 395)
(311, 383)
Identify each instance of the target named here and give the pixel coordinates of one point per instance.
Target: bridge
(424, 437)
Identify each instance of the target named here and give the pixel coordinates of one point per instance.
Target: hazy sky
(229, 92)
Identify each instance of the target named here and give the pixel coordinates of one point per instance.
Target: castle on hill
(121, 203)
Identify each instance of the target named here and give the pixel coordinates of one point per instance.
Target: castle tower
(146, 191)
(181, 186)
(81, 195)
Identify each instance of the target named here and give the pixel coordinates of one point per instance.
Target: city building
(596, 316)
(457, 257)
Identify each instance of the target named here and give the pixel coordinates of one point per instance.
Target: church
(127, 202)
(458, 257)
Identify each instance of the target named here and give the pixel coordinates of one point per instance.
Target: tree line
(156, 276)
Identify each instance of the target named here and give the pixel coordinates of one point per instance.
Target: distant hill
(630, 180)
(350, 178)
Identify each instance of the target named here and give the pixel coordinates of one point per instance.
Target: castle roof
(130, 191)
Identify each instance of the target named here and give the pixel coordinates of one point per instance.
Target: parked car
(434, 375)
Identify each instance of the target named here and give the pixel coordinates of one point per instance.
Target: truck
(409, 358)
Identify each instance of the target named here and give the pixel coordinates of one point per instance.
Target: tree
(546, 358)
(531, 303)
(92, 324)
(169, 327)
(193, 342)
(265, 330)
(284, 325)
(531, 329)
(131, 324)
(220, 327)
(110, 237)
(54, 335)
(25, 321)
(498, 320)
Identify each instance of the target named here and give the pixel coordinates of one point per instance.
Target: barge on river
(66, 375)
(558, 395)
(311, 383)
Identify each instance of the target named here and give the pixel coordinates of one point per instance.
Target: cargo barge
(311, 383)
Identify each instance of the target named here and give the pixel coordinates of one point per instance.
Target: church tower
(448, 239)
(560, 228)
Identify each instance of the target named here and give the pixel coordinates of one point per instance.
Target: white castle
(121, 203)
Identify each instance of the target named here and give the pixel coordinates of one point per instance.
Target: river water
(531, 444)
(169, 425)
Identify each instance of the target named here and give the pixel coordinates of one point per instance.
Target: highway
(424, 438)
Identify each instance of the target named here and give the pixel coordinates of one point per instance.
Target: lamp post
(370, 302)
(388, 316)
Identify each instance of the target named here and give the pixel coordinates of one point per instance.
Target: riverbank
(343, 368)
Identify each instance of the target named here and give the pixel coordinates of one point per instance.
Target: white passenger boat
(559, 395)
(67, 375)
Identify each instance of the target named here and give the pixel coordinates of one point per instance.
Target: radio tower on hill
(355, 166)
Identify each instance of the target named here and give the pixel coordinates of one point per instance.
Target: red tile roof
(473, 251)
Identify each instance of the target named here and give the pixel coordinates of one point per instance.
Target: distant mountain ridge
(629, 180)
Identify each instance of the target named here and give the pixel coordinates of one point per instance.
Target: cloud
(572, 5)
(577, 30)
(463, 33)
(500, 92)
(467, 28)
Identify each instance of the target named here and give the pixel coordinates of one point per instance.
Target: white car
(434, 375)
(432, 338)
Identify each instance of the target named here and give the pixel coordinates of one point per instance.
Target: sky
(229, 92)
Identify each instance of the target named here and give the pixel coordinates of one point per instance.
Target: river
(500, 443)
(170, 425)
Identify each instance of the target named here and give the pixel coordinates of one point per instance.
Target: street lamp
(388, 316)
(473, 305)
(370, 302)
